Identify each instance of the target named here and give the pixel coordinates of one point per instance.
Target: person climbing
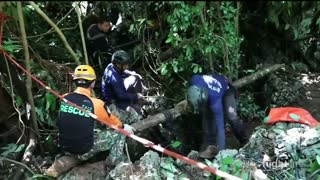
(123, 87)
(99, 47)
(78, 134)
(212, 96)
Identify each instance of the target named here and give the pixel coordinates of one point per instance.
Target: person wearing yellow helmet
(78, 135)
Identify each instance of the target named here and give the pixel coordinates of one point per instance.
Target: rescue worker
(212, 96)
(77, 133)
(121, 86)
(99, 47)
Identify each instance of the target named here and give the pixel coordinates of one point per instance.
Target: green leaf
(19, 101)
(176, 144)
(318, 159)
(209, 163)
(40, 114)
(19, 148)
(266, 119)
(169, 167)
(41, 177)
(195, 69)
(295, 116)
(164, 70)
(49, 140)
(245, 176)
(287, 26)
(9, 146)
(314, 166)
(238, 163)
(317, 151)
(175, 69)
(277, 130)
(51, 102)
(131, 28)
(169, 40)
(227, 160)
(150, 22)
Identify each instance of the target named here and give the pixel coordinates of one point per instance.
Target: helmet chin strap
(119, 67)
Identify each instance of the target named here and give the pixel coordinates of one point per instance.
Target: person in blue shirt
(213, 97)
(121, 86)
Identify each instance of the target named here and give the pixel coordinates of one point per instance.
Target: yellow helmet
(84, 72)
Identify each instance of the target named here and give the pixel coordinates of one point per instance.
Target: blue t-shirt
(113, 87)
(216, 86)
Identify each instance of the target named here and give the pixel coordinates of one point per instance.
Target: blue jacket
(113, 87)
(216, 86)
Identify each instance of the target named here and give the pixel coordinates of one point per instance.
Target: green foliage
(46, 109)
(232, 166)
(204, 36)
(315, 165)
(176, 144)
(11, 148)
(168, 170)
(248, 108)
(11, 46)
(295, 18)
(215, 40)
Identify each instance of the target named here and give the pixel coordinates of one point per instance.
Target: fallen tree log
(161, 117)
(257, 75)
(175, 112)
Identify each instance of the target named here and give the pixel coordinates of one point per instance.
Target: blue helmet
(121, 57)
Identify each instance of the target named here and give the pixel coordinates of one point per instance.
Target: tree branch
(49, 32)
(173, 51)
(257, 75)
(16, 162)
(63, 38)
(28, 67)
(33, 140)
(82, 34)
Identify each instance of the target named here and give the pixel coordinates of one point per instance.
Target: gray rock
(144, 169)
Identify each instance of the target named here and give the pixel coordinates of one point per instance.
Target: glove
(142, 99)
(129, 128)
(140, 96)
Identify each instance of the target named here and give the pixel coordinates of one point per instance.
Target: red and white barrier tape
(145, 142)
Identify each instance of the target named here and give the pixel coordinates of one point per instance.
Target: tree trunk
(28, 68)
(33, 140)
(85, 54)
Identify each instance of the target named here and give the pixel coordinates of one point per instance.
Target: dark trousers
(231, 115)
(209, 125)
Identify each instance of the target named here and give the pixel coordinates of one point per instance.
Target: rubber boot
(61, 165)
